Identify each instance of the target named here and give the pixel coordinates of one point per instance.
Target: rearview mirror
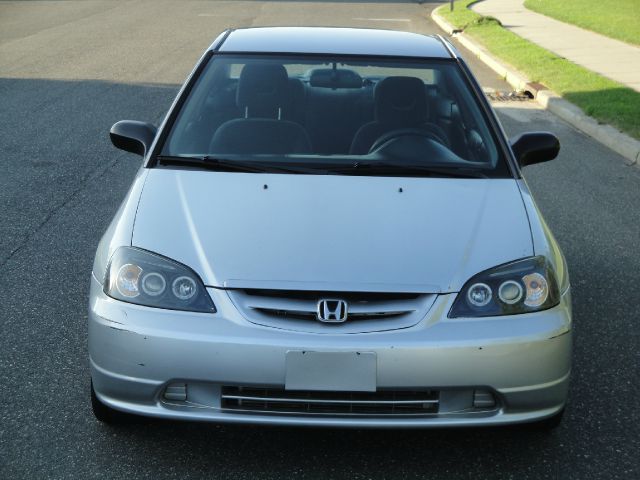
(535, 147)
(132, 136)
(335, 78)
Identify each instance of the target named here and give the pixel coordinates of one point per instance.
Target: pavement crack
(98, 173)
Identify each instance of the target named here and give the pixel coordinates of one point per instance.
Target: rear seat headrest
(262, 88)
(400, 100)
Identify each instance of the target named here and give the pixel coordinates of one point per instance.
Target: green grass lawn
(603, 99)
(614, 18)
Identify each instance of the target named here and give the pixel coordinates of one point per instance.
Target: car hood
(329, 232)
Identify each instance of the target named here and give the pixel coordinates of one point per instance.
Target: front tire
(549, 424)
(107, 414)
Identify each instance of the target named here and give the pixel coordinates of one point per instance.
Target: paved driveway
(68, 70)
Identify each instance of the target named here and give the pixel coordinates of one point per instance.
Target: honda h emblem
(332, 311)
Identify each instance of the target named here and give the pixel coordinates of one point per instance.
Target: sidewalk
(613, 59)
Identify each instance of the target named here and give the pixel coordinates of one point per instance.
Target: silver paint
(422, 235)
(235, 234)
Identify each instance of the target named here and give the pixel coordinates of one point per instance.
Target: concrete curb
(610, 137)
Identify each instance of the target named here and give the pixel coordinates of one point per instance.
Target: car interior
(325, 110)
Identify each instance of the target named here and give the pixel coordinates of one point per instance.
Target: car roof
(330, 40)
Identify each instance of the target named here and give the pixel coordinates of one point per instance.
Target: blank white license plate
(338, 371)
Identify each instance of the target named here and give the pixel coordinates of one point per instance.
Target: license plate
(337, 371)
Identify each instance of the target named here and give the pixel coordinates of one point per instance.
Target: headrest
(401, 100)
(262, 89)
(335, 78)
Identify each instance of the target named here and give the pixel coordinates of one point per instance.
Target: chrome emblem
(332, 311)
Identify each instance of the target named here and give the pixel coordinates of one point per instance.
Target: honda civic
(330, 228)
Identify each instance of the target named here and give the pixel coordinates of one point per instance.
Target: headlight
(145, 278)
(524, 286)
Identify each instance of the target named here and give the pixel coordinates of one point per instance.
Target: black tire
(550, 423)
(107, 414)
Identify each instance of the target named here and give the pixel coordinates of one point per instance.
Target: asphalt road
(68, 71)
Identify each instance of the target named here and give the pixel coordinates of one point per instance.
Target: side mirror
(535, 147)
(132, 136)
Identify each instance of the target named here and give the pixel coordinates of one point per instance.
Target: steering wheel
(406, 132)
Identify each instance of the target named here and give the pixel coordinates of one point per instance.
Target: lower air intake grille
(250, 399)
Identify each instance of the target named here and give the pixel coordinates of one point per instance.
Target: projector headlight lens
(141, 277)
(523, 286)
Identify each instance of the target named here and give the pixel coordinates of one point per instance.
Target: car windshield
(334, 114)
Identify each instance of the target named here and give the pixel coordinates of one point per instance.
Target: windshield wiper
(214, 163)
(367, 168)
(357, 168)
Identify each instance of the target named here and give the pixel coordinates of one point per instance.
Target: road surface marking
(405, 20)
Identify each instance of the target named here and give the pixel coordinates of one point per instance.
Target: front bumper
(136, 352)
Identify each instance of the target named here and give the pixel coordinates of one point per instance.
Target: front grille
(266, 400)
(315, 294)
(311, 316)
(297, 310)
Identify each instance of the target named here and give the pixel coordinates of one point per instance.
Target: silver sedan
(330, 228)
